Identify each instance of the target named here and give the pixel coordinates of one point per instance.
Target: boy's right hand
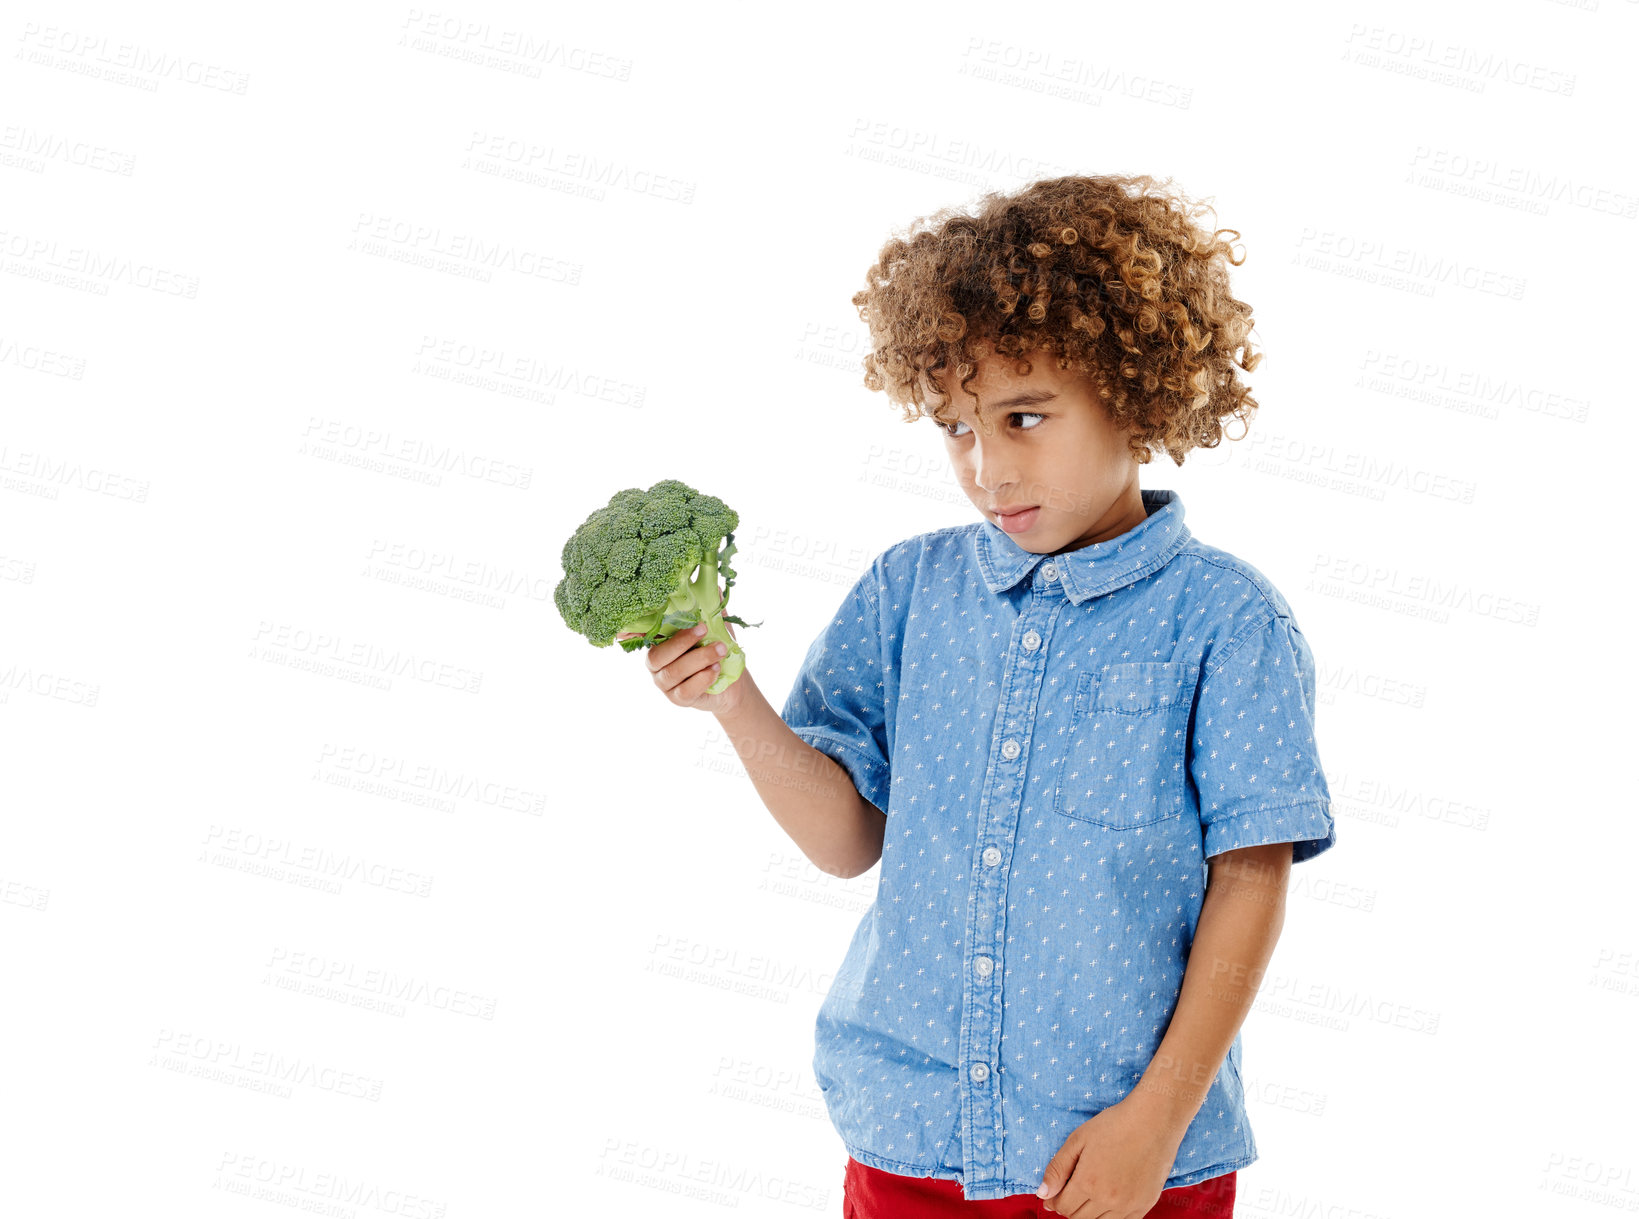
(683, 668)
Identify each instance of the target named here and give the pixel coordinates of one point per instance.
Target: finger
(668, 650)
(698, 684)
(675, 672)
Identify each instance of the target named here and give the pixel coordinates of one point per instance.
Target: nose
(991, 468)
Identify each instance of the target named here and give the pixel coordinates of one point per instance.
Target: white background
(338, 876)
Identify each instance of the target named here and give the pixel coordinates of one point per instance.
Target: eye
(1015, 415)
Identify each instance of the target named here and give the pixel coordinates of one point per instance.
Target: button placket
(982, 1116)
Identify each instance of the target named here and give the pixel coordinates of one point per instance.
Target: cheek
(1067, 482)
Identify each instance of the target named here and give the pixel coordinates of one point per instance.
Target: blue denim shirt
(1059, 743)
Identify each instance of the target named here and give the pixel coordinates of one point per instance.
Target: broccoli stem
(703, 602)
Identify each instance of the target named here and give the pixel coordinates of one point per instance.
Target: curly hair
(1109, 274)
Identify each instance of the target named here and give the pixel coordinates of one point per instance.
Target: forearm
(1241, 919)
(810, 795)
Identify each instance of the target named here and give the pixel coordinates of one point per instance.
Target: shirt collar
(1092, 570)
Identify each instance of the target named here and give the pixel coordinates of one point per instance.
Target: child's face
(1058, 453)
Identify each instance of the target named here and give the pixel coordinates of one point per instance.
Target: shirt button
(1032, 641)
(979, 1072)
(992, 857)
(1050, 572)
(1010, 749)
(982, 966)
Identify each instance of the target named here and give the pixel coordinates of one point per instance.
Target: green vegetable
(648, 563)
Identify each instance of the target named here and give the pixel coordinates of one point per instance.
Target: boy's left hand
(1114, 1165)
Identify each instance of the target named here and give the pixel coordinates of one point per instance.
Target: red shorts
(870, 1193)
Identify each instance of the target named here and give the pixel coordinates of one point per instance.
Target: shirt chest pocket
(1125, 765)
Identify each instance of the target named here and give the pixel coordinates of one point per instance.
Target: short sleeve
(837, 701)
(1253, 756)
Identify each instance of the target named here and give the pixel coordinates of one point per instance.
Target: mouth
(1016, 519)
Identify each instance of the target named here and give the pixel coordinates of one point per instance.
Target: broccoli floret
(649, 562)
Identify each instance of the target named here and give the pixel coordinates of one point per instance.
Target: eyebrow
(1031, 397)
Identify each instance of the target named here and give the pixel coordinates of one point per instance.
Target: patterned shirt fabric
(1059, 743)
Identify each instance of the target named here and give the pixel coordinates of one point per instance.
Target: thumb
(1056, 1174)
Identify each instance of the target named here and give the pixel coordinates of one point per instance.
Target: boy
(1079, 740)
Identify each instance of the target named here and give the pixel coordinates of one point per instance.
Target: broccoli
(647, 563)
